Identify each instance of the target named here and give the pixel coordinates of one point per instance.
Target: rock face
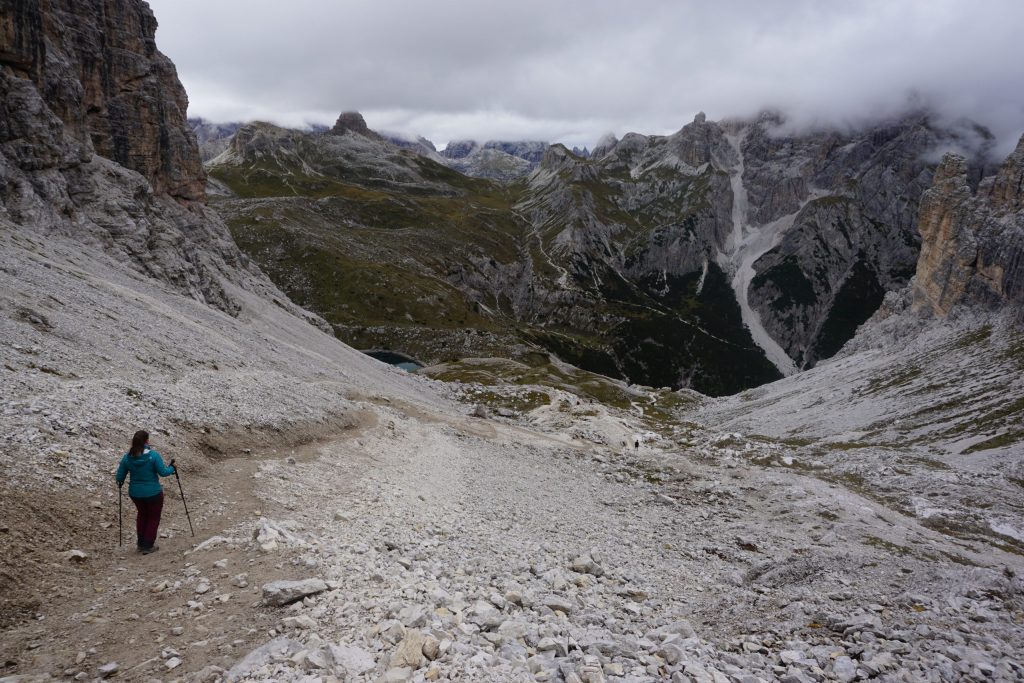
(99, 71)
(972, 247)
(847, 206)
(94, 145)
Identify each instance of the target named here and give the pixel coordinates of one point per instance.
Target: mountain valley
(736, 404)
(718, 258)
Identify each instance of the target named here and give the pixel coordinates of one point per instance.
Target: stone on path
(409, 652)
(279, 593)
(277, 649)
(301, 621)
(587, 564)
(75, 556)
(557, 604)
(396, 675)
(844, 669)
(108, 669)
(352, 659)
(209, 543)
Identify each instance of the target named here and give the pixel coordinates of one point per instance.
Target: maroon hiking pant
(148, 519)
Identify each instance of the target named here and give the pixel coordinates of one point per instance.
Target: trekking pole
(120, 533)
(182, 491)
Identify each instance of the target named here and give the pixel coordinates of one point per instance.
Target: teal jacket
(146, 471)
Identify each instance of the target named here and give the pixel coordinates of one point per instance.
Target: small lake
(399, 360)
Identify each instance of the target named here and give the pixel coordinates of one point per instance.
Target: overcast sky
(572, 70)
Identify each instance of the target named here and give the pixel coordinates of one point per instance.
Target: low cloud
(573, 70)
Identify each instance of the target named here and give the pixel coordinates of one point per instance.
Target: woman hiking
(146, 467)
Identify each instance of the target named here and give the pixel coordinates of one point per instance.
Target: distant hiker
(636, 445)
(146, 467)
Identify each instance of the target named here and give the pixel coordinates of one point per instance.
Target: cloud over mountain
(570, 71)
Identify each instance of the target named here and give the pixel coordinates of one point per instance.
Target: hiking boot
(150, 549)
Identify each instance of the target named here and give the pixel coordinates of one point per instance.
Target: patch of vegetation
(998, 441)
(845, 445)
(519, 401)
(931, 464)
(792, 442)
(887, 546)
(978, 336)
(969, 530)
(994, 418)
(898, 379)
(1014, 352)
(945, 406)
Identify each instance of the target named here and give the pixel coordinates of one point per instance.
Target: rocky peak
(1007, 189)
(972, 247)
(700, 142)
(353, 121)
(459, 149)
(558, 159)
(604, 146)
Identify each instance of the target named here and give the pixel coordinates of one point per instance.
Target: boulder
(409, 652)
(279, 593)
(278, 649)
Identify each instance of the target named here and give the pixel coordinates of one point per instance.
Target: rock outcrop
(95, 146)
(353, 121)
(98, 70)
(846, 205)
(972, 248)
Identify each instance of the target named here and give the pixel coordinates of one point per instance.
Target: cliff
(95, 146)
(97, 67)
(972, 249)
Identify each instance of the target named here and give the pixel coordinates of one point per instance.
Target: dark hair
(138, 443)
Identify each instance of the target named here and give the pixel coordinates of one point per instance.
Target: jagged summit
(353, 121)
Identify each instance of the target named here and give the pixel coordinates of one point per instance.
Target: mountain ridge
(808, 233)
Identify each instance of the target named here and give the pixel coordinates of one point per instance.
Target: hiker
(636, 445)
(146, 467)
